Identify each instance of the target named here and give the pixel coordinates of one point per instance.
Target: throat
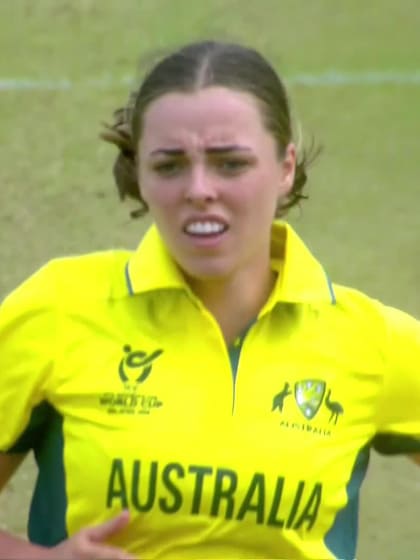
(236, 304)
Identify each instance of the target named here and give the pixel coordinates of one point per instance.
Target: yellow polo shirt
(119, 380)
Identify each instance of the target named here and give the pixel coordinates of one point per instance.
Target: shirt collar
(301, 278)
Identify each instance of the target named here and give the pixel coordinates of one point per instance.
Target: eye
(232, 166)
(168, 168)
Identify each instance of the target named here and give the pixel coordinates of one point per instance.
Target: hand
(89, 543)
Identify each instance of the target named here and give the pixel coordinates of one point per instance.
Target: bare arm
(415, 457)
(14, 548)
(88, 544)
(8, 465)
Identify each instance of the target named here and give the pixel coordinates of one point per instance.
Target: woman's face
(210, 173)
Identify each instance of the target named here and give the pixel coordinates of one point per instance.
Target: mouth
(206, 234)
(205, 228)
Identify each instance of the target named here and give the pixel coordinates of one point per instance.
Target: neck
(235, 301)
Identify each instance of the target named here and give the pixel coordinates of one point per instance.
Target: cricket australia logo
(134, 369)
(310, 395)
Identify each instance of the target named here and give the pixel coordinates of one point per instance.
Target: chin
(209, 271)
(207, 275)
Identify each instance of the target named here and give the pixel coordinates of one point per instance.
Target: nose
(200, 188)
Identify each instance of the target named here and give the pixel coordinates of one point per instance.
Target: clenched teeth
(205, 228)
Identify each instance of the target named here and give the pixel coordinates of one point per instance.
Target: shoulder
(359, 303)
(91, 276)
(356, 302)
(373, 317)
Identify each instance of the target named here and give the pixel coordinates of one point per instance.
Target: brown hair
(193, 67)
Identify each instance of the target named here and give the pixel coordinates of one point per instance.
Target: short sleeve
(27, 349)
(398, 428)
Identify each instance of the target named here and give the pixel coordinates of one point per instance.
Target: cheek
(159, 194)
(259, 191)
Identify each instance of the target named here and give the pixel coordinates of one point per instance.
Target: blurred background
(353, 73)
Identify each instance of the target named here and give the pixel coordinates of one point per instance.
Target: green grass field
(353, 68)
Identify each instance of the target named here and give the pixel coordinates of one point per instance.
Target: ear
(139, 176)
(287, 170)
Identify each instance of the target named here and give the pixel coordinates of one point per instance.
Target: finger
(109, 528)
(101, 552)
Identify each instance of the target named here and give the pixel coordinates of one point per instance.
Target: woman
(214, 383)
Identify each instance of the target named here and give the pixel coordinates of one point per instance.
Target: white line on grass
(325, 79)
(336, 78)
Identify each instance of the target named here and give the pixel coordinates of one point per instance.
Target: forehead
(209, 114)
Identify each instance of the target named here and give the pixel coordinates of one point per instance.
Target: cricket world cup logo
(136, 366)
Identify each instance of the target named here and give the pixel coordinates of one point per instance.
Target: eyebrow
(210, 150)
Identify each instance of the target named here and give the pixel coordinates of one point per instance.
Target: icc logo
(136, 366)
